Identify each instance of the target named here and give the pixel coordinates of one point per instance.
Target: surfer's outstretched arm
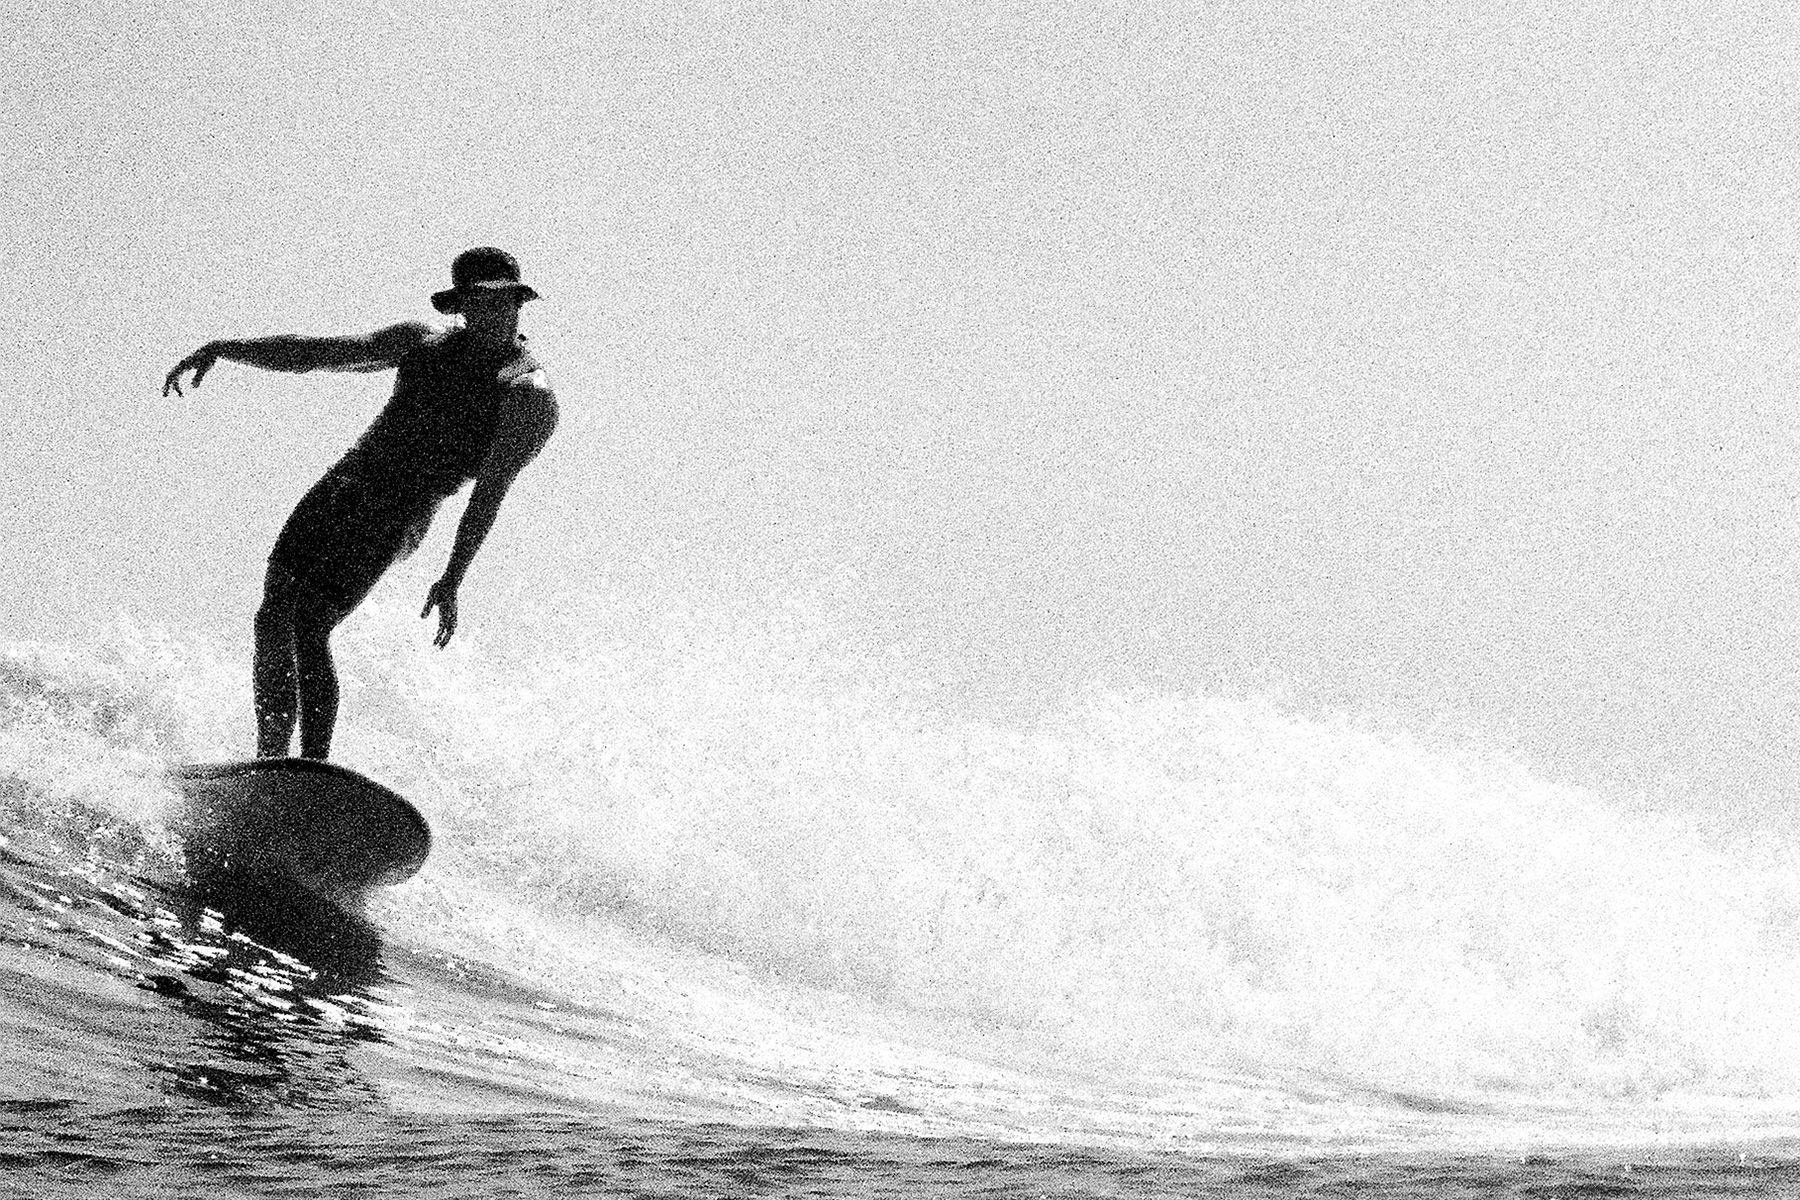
(526, 423)
(294, 352)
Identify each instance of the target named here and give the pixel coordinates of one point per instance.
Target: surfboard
(297, 821)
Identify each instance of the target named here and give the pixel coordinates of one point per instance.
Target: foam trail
(1166, 882)
(748, 830)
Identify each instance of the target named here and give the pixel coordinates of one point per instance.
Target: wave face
(719, 862)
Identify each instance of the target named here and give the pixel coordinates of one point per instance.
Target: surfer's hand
(199, 362)
(442, 597)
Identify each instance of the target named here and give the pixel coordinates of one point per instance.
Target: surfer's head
(480, 276)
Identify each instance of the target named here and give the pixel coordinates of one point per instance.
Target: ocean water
(724, 903)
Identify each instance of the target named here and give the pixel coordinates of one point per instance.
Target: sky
(1433, 362)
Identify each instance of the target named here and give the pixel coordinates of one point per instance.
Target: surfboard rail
(332, 830)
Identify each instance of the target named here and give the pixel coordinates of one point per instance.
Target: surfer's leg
(273, 675)
(318, 691)
(318, 677)
(339, 552)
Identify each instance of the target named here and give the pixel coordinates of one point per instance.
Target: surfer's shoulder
(526, 380)
(529, 416)
(403, 337)
(532, 387)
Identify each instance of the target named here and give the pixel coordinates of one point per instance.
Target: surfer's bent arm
(298, 353)
(526, 422)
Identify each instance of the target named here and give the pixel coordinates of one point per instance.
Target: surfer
(469, 402)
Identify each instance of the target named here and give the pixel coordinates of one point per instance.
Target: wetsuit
(373, 507)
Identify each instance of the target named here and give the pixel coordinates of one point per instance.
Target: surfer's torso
(436, 430)
(375, 505)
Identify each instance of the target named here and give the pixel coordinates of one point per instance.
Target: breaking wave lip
(1168, 895)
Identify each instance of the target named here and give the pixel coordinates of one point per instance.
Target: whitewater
(726, 901)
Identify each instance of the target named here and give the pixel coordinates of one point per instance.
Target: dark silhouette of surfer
(470, 403)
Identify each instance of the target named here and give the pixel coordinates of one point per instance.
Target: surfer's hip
(346, 531)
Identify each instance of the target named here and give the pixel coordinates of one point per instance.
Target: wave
(737, 810)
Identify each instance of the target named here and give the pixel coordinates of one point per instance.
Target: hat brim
(446, 300)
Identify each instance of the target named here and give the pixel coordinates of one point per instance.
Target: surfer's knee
(314, 620)
(275, 623)
(312, 653)
(275, 616)
(312, 645)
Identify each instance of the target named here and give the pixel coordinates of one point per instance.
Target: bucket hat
(485, 268)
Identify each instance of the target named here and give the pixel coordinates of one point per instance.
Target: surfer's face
(491, 313)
